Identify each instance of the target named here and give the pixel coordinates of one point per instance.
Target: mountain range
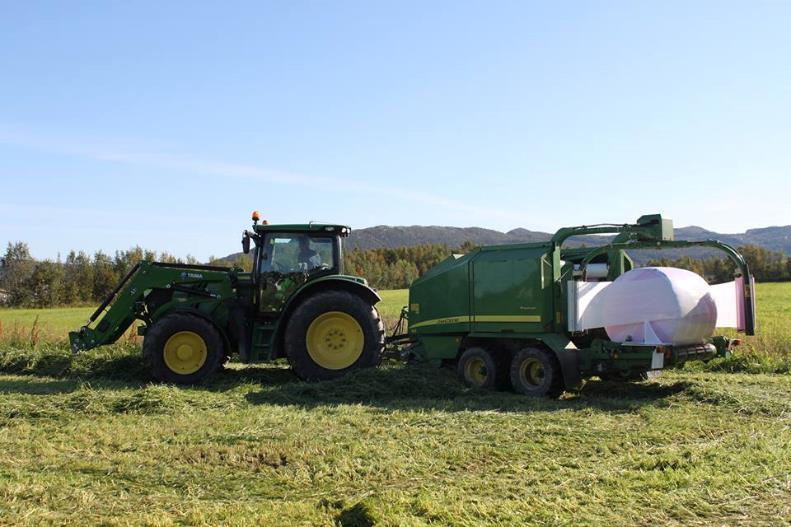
(773, 238)
(384, 236)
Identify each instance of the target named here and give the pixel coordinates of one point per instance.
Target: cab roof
(317, 228)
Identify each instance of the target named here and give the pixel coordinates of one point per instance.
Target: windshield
(288, 253)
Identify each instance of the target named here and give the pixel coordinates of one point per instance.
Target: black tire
(479, 369)
(536, 372)
(160, 333)
(324, 303)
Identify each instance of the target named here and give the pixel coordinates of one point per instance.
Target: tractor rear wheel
(183, 348)
(536, 372)
(477, 368)
(332, 333)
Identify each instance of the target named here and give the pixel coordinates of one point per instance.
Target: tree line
(765, 265)
(81, 278)
(397, 268)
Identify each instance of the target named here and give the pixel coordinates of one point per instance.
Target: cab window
(290, 253)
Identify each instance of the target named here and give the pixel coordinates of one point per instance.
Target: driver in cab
(307, 258)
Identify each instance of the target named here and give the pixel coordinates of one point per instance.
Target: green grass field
(89, 440)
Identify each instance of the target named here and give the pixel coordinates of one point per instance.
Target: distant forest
(396, 268)
(87, 279)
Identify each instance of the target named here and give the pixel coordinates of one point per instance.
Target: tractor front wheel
(332, 333)
(183, 349)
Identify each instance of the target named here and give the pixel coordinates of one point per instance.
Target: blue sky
(164, 123)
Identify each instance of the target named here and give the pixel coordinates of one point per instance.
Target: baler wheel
(183, 348)
(478, 369)
(536, 372)
(332, 333)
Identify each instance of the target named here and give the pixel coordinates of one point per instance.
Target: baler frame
(538, 316)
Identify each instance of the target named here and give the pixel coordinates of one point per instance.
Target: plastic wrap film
(654, 305)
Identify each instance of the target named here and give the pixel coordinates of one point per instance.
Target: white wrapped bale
(648, 305)
(659, 305)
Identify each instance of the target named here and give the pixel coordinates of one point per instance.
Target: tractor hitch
(394, 344)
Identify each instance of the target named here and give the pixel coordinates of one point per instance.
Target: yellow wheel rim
(185, 352)
(335, 340)
(475, 370)
(532, 372)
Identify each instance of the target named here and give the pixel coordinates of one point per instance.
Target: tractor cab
(303, 306)
(288, 256)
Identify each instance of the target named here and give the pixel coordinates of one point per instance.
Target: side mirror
(245, 243)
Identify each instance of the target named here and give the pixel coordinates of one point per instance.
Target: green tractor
(296, 303)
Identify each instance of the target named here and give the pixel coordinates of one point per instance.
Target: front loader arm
(126, 303)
